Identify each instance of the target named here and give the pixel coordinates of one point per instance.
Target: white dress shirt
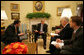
(41, 30)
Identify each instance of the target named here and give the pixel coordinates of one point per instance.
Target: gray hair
(65, 18)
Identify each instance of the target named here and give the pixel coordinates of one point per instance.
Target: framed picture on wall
(38, 6)
(60, 9)
(15, 16)
(15, 7)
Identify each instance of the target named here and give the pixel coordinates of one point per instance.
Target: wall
(25, 7)
(50, 7)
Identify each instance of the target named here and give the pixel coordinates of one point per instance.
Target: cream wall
(25, 7)
(50, 7)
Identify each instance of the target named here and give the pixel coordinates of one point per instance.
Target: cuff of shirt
(62, 41)
(60, 46)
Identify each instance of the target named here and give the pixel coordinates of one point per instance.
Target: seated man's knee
(53, 38)
(65, 52)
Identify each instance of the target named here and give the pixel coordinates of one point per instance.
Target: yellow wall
(50, 7)
(25, 7)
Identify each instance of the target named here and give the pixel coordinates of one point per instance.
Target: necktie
(16, 30)
(73, 35)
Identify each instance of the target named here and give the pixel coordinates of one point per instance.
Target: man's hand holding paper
(58, 43)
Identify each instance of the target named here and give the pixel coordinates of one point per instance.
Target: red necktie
(16, 30)
(73, 35)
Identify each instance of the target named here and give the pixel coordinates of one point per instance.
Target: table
(32, 47)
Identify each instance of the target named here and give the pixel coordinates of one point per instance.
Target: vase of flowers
(15, 48)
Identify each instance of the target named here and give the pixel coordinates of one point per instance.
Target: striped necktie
(73, 36)
(15, 30)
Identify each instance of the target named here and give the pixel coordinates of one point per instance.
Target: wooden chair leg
(36, 48)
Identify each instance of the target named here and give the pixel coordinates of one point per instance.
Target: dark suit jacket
(10, 35)
(75, 45)
(66, 32)
(44, 27)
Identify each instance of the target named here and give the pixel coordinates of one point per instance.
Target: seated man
(12, 33)
(64, 34)
(75, 45)
(41, 30)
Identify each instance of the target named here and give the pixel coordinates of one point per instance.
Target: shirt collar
(15, 26)
(76, 30)
(42, 24)
(65, 25)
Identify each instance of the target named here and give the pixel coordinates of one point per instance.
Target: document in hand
(54, 43)
(54, 34)
(23, 37)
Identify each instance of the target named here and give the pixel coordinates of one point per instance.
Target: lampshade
(66, 13)
(3, 15)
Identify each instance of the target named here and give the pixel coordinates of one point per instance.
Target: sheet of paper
(23, 37)
(54, 34)
(54, 43)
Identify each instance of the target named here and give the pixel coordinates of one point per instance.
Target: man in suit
(12, 33)
(64, 34)
(41, 30)
(75, 45)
